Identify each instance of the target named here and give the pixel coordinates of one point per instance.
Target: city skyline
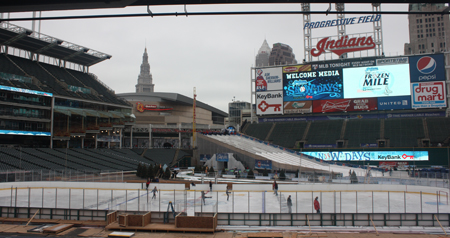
(212, 53)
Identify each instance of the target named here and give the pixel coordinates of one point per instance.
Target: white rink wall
(102, 185)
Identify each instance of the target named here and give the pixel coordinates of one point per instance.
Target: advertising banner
(320, 145)
(222, 157)
(379, 81)
(392, 61)
(23, 90)
(353, 116)
(345, 105)
(368, 145)
(427, 68)
(268, 79)
(428, 95)
(25, 133)
(370, 155)
(296, 68)
(106, 138)
(399, 102)
(388, 164)
(297, 107)
(263, 164)
(270, 102)
(312, 85)
(205, 157)
(347, 64)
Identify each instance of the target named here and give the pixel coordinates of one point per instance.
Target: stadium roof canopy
(38, 43)
(45, 5)
(170, 97)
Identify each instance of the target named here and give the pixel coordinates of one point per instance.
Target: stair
(305, 134)
(270, 132)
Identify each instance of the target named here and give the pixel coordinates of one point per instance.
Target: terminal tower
(145, 79)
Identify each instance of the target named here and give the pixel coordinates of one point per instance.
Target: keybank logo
(426, 65)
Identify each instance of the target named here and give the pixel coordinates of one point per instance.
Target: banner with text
(270, 102)
(379, 81)
(269, 79)
(370, 155)
(394, 103)
(345, 105)
(297, 107)
(263, 164)
(427, 68)
(428, 95)
(222, 157)
(312, 85)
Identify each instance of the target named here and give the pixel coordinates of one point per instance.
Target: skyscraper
(281, 54)
(145, 79)
(428, 33)
(262, 58)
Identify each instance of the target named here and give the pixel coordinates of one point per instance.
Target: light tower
(193, 119)
(306, 8)
(377, 31)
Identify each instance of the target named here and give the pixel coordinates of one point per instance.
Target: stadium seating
(160, 156)
(359, 132)
(33, 69)
(258, 130)
(53, 79)
(438, 129)
(287, 133)
(324, 132)
(400, 134)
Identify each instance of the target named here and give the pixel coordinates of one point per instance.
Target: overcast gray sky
(212, 53)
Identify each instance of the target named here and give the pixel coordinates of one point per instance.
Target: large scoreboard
(369, 84)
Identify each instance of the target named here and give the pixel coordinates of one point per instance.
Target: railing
(62, 175)
(53, 213)
(73, 196)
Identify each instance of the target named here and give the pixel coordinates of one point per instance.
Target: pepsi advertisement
(313, 85)
(427, 68)
(394, 103)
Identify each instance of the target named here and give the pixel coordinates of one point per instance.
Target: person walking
(275, 188)
(289, 203)
(317, 205)
(154, 191)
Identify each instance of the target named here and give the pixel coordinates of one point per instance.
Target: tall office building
(428, 33)
(281, 54)
(145, 78)
(262, 58)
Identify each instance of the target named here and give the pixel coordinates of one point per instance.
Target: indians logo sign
(343, 45)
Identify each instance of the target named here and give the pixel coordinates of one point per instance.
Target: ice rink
(334, 198)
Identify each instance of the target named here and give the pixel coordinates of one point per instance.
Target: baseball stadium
(341, 144)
